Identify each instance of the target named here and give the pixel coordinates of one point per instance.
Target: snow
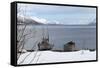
(52, 57)
(41, 20)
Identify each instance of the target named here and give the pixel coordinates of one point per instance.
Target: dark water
(83, 36)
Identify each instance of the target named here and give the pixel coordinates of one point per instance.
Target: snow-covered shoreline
(52, 57)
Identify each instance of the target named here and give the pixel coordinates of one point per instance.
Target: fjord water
(83, 36)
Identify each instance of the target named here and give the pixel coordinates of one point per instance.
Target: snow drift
(52, 57)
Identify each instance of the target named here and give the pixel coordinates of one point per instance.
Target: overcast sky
(59, 14)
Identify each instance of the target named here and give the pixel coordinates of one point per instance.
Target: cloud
(49, 14)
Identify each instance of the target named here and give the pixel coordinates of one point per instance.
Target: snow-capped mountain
(34, 20)
(30, 20)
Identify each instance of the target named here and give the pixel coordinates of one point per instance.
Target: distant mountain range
(28, 20)
(93, 23)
